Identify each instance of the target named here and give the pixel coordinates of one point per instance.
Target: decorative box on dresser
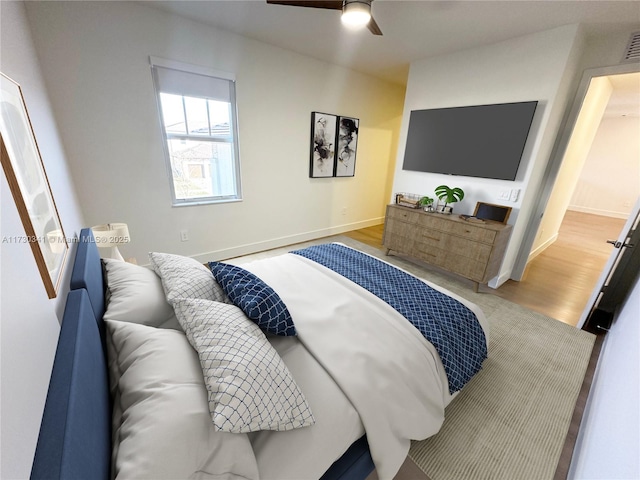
(472, 250)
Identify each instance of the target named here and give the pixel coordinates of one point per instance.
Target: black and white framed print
(347, 144)
(323, 145)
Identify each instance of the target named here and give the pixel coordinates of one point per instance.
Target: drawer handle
(432, 238)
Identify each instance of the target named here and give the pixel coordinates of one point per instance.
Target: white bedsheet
(306, 453)
(390, 373)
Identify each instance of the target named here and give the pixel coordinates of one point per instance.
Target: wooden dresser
(473, 250)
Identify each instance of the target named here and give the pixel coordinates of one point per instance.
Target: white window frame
(232, 139)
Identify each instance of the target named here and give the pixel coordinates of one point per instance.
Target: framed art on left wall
(347, 146)
(323, 144)
(27, 179)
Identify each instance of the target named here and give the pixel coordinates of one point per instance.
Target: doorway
(590, 192)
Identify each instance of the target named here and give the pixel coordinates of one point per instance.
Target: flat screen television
(484, 141)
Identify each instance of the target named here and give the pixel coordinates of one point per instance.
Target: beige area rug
(511, 420)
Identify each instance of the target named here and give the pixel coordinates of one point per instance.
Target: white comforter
(390, 373)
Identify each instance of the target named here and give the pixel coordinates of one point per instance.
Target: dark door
(618, 276)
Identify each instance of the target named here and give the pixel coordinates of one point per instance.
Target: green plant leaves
(449, 195)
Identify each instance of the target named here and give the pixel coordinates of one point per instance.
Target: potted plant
(426, 203)
(448, 195)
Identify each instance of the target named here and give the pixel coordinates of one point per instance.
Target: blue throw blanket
(450, 326)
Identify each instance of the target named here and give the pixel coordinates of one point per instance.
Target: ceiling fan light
(356, 14)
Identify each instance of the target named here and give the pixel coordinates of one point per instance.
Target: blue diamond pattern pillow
(255, 298)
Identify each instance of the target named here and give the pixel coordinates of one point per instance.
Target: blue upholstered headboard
(87, 271)
(75, 433)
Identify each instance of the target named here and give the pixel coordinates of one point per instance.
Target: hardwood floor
(559, 281)
(370, 236)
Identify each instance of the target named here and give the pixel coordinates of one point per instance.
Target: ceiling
(413, 30)
(625, 98)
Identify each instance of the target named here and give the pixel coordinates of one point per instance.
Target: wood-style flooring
(559, 281)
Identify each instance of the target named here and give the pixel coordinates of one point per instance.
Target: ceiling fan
(354, 12)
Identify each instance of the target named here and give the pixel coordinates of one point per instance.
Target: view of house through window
(200, 146)
(198, 120)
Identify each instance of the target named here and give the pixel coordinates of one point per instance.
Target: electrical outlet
(626, 203)
(184, 235)
(515, 193)
(504, 195)
(344, 210)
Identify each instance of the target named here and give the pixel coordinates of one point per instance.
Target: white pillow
(166, 431)
(135, 294)
(184, 277)
(250, 387)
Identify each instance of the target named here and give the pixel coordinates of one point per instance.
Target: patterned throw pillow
(249, 386)
(256, 299)
(184, 277)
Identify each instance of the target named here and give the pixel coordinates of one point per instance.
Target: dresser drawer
(403, 213)
(434, 256)
(457, 246)
(458, 228)
(472, 232)
(461, 247)
(401, 228)
(432, 238)
(471, 269)
(398, 243)
(435, 221)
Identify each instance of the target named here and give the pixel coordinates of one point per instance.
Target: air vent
(632, 53)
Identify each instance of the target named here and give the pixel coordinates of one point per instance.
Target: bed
(109, 414)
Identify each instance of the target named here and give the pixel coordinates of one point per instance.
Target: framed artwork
(323, 141)
(27, 179)
(347, 144)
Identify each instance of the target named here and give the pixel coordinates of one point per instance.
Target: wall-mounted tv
(484, 141)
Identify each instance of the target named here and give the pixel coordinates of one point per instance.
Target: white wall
(29, 321)
(584, 132)
(609, 439)
(534, 67)
(95, 61)
(610, 180)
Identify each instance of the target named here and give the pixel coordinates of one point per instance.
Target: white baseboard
(542, 248)
(250, 248)
(596, 211)
(498, 280)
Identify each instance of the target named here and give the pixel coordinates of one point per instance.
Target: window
(198, 116)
